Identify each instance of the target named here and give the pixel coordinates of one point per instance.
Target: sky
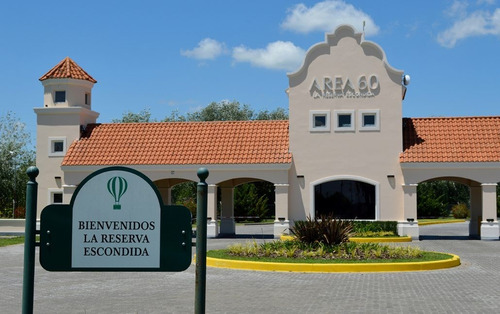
(180, 56)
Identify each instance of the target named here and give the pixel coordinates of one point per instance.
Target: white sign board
(116, 223)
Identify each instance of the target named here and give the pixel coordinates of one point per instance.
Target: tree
(436, 198)
(185, 194)
(15, 157)
(228, 111)
(131, 117)
(277, 114)
(222, 111)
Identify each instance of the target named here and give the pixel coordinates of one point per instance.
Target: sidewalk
(12, 227)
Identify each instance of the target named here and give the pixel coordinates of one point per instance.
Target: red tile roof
(465, 139)
(182, 143)
(67, 68)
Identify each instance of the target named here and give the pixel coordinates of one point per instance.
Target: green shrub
(460, 211)
(325, 229)
(366, 227)
(320, 251)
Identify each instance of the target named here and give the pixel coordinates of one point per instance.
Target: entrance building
(346, 149)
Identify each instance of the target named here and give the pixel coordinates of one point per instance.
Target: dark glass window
(87, 99)
(346, 199)
(319, 121)
(58, 146)
(60, 96)
(369, 120)
(57, 198)
(344, 120)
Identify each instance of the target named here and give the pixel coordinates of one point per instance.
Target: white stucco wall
(371, 156)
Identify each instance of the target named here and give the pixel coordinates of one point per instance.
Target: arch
(313, 184)
(461, 180)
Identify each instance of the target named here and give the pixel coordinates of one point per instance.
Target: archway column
(227, 225)
(409, 225)
(489, 222)
(281, 219)
(476, 208)
(166, 195)
(212, 226)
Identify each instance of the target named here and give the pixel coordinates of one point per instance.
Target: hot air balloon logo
(117, 186)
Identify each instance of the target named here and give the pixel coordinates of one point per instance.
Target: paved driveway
(473, 287)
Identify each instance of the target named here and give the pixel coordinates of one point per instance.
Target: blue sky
(182, 55)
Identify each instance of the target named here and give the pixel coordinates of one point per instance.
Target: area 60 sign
(116, 221)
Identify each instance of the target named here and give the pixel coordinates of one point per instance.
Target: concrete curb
(334, 268)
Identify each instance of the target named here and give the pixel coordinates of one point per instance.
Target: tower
(65, 113)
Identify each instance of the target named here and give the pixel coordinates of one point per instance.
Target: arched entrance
(436, 197)
(248, 200)
(345, 197)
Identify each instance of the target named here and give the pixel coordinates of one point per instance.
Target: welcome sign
(116, 221)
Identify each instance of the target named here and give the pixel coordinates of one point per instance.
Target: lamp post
(14, 166)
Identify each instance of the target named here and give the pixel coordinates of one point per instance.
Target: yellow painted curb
(425, 223)
(334, 268)
(362, 240)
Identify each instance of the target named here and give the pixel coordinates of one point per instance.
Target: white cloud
(478, 23)
(490, 2)
(281, 55)
(457, 9)
(207, 49)
(326, 16)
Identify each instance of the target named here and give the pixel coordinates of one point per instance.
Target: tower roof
(67, 68)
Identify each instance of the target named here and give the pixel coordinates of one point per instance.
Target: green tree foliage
(185, 194)
(436, 198)
(222, 111)
(460, 211)
(228, 111)
(277, 114)
(15, 157)
(131, 117)
(498, 200)
(252, 199)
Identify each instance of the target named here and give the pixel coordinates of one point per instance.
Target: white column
(212, 226)
(166, 195)
(227, 225)
(281, 222)
(489, 222)
(476, 208)
(409, 226)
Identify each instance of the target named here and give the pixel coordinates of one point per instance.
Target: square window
(57, 198)
(58, 146)
(344, 121)
(319, 121)
(60, 96)
(369, 120)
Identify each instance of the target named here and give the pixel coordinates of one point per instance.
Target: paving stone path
(473, 287)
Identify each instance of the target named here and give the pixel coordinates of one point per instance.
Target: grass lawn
(440, 220)
(4, 241)
(427, 256)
